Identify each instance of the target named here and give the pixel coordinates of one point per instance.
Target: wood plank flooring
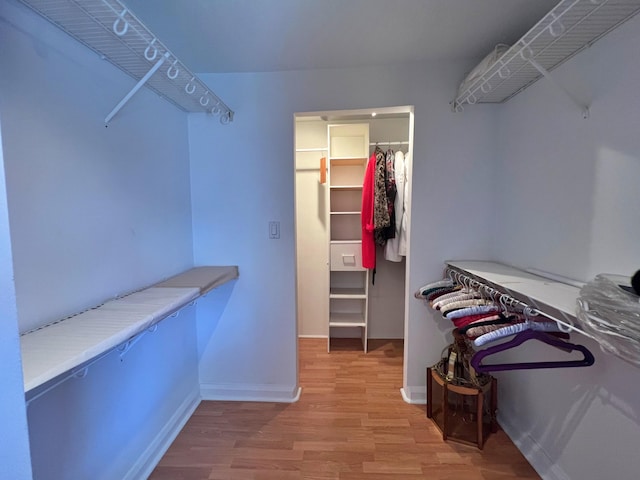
(350, 423)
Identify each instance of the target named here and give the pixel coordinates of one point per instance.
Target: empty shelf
(70, 343)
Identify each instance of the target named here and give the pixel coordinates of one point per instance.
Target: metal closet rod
(403, 142)
(453, 273)
(471, 282)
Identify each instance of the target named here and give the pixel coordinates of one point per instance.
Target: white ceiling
(273, 35)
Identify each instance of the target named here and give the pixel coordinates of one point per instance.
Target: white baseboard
(250, 393)
(533, 452)
(163, 440)
(414, 395)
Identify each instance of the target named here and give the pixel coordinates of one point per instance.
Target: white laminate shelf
(346, 187)
(568, 28)
(69, 345)
(111, 30)
(552, 298)
(346, 320)
(348, 293)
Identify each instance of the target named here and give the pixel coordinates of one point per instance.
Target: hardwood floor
(350, 423)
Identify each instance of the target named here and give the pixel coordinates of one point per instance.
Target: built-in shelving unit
(110, 29)
(571, 26)
(348, 283)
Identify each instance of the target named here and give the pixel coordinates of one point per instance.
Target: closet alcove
(337, 298)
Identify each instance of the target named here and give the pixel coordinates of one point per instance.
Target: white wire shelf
(568, 28)
(111, 30)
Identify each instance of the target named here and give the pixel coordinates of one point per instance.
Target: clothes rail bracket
(528, 56)
(137, 87)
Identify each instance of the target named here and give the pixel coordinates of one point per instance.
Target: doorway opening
(337, 299)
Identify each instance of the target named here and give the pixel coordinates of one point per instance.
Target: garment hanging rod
(404, 142)
(471, 282)
(311, 150)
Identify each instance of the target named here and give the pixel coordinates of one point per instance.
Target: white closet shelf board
(347, 320)
(357, 293)
(110, 29)
(556, 299)
(568, 28)
(203, 278)
(70, 343)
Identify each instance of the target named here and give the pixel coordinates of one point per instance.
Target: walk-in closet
(338, 296)
(186, 266)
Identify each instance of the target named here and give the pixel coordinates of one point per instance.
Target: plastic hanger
(520, 338)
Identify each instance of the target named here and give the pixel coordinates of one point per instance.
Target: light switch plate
(274, 230)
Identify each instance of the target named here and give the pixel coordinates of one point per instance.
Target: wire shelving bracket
(111, 30)
(569, 27)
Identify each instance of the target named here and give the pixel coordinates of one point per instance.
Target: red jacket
(368, 243)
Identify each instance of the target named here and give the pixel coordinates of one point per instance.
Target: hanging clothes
(390, 186)
(402, 232)
(381, 219)
(392, 248)
(367, 215)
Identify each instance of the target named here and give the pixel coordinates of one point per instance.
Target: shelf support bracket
(137, 87)
(584, 108)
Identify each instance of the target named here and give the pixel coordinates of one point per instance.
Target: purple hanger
(586, 361)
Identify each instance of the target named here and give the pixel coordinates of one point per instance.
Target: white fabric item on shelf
(487, 62)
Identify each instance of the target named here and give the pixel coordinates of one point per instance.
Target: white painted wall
(567, 202)
(94, 212)
(15, 460)
(242, 177)
(311, 230)
(116, 422)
